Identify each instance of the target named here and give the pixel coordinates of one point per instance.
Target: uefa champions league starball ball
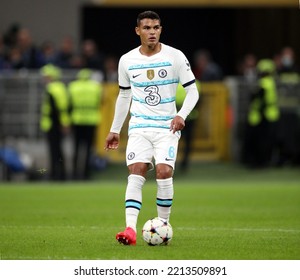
(157, 232)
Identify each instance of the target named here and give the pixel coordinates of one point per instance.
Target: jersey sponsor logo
(153, 98)
(134, 76)
(150, 74)
(162, 73)
(169, 159)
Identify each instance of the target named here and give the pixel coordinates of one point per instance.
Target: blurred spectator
(277, 62)
(31, 55)
(111, 69)
(85, 97)
(76, 61)
(55, 119)
(288, 71)
(65, 53)
(14, 59)
(10, 36)
(92, 58)
(247, 68)
(48, 52)
(263, 116)
(205, 69)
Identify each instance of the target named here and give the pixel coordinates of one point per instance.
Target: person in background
(65, 53)
(247, 68)
(10, 36)
(14, 59)
(262, 119)
(55, 121)
(85, 100)
(111, 69)
(48, 52)
(288, 71)
(205, 69)
(31, 56)
(92, 58)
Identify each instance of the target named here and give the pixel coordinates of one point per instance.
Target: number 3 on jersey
(153, 98)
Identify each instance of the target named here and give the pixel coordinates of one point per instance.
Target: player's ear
(137, 31)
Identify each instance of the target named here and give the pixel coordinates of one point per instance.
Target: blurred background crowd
(18, 50)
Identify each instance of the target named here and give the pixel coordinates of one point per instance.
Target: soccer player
(148, 79)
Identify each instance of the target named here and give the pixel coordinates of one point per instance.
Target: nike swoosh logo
(134, 76)
(169, 159)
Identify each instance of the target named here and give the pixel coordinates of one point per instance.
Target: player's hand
(112, 141)
(177, 123)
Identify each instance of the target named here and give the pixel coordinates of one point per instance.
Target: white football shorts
(148, 145)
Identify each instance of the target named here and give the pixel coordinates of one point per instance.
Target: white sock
(164, 198)
(133, 199)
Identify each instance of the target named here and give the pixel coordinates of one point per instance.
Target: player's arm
(190, 101)
(121, 111)
(187, 79)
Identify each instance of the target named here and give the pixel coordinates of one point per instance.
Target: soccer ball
(157, 232)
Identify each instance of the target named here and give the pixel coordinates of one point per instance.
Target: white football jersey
(153, 82)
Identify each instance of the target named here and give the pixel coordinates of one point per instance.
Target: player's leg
(165, 157)
(165, 192)
(133, 204)
(133, 199)
(138, 156)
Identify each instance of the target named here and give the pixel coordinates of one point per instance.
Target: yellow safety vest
(85, 101)
(58, 92)
(270, 110)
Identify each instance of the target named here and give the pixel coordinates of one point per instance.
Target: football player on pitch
(148, 79)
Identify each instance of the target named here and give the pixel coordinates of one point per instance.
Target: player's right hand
(112, 141)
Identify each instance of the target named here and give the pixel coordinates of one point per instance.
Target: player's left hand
(177, 123)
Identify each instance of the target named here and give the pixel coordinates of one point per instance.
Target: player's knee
(139, 168)
(164, 171)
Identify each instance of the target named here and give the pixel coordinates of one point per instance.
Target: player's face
(149, 31)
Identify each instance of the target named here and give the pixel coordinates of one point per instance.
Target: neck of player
(150, 49)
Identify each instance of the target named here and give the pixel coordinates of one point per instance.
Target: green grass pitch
(219, 212)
